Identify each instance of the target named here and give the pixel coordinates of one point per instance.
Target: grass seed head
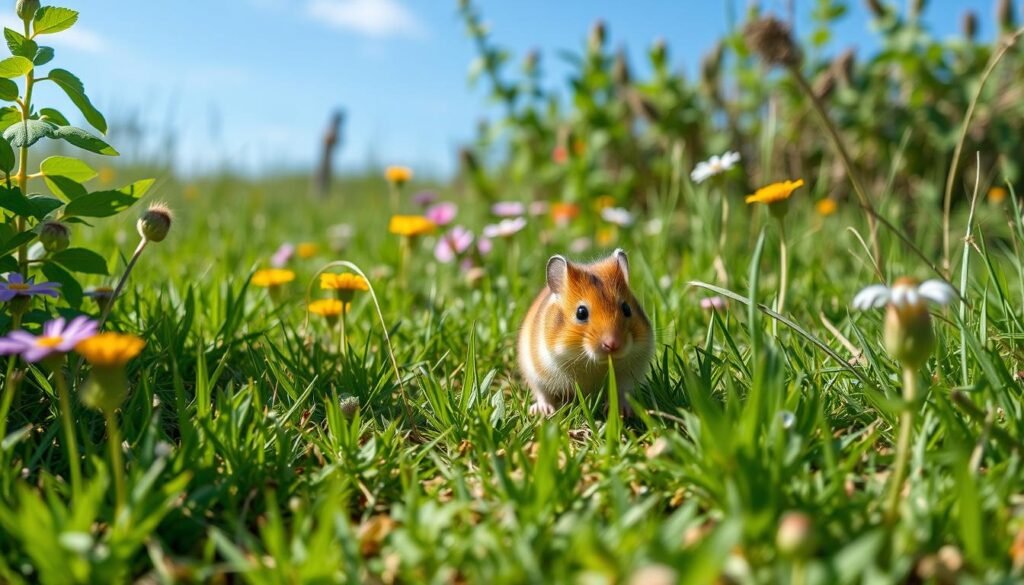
(772, 40)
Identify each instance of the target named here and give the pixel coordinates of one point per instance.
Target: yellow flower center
(49, 341)
(20, 287)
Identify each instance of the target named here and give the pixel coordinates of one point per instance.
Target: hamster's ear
(558, 274)
(620, 256)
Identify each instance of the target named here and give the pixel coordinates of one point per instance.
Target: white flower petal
(911, 297)
(937, 291)
(898, 296)
(872, 297)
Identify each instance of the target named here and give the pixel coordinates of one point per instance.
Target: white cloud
(372, 18)
(77, 38)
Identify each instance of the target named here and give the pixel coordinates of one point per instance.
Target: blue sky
(250, 83)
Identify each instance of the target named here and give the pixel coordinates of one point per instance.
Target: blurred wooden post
(331, 141)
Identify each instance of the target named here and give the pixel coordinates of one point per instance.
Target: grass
(247, 462)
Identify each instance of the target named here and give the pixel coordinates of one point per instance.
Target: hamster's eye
(626, 310)
(582, 314)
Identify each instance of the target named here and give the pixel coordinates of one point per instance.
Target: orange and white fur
(586, 314)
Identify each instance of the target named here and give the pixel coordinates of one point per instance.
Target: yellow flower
(603, 202)
(411, 225)
(107, 175)
(272, 277)
(110, 350)
(826, 206)
(997, 195)
(346, 281)
(307, 250)
(775, 192)
(398, 175)
(329, 308)
(563, 213)
(605, 236)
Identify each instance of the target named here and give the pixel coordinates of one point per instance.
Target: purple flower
(453, 244)
(283, 255)
(58, 337)
(424, 198)
(505, 228)
(484, 245)
(443, 213)
(16, 286)
(508, 209)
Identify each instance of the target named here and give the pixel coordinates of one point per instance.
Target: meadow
(780, 436)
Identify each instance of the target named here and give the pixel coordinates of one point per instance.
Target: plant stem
(26, 111)
(120, 284)
(844, 156)
(903, 443)
(343, 342)
(8, 397)
(116, 460)
(783, 268)
(69, 430)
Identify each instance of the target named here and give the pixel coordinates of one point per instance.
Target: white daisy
(505, 228)
(715, 165)
(904, 292)
(617, 215)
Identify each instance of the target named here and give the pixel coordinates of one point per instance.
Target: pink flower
(715, 303)
(453, 244)
(539, 208)
(283, 255)
(508, 209)
(442, 213)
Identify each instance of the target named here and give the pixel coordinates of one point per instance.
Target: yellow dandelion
(826, 207)
(411, 225)
(329, 308)
(107, 175)
(398, 175)
(605, 237)
(346, 281)
(110, 350)
(272, 277)
(775, 192)
(307, 250)
(997, 195)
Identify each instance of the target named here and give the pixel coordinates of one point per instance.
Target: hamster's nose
(610, 344)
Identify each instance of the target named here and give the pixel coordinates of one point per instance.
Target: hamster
(585, 314)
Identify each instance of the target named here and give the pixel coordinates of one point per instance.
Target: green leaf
(65, 166)
(81, 260)
(70, 290)
(107, 203)
(8, 90)
(9, 115)
(12, 200)
(19, 45)
(65, 187)
(6, 157)
(76, 91)
(51, 19)
(17, 240)
(42, 205)
(28, 132)
(15, 67)
(54, 116)
(8, 264)
(43, 56)
(84, 140)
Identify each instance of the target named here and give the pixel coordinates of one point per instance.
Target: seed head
(597, 36)
(55, 236)
(26, 8)
(1004, 14)
(155, 222)
(969, 24)
(771, 39)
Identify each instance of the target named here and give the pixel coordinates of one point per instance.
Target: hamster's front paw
(542, 408)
